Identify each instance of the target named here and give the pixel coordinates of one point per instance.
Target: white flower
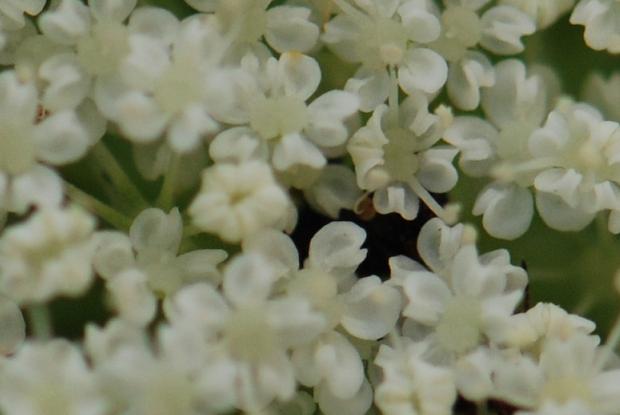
(271, 100)
(236, 201)
(578, 173)
(96, 31)
(515, 106)
(365, 309)
(394, 157)
(600, 20)
(58, 139)
(539, 324)
(145, 265)
(49, 378)
(163, 88)
(455, 311)
(568, 376)
(410, 385)
(285, 27)
(250, 329)
(464, 26)
(49, 254)
(386, 40)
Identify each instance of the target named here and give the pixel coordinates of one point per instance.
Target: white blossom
(236, 201)
(145, 265)
(49, 254)
(250, 329)
(271, 99)
(389, 42)
(50, 378)
(395, 157)
(599, 17)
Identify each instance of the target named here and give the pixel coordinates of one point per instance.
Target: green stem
(125, 188)
(165, 200)
(40, 321)
(100, 209)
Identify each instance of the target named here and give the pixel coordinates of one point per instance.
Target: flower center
(383, 42)
(276, 116)
(458, 330)
(179, 86)
(401, 161)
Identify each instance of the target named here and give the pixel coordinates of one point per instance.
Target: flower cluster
(213, 173)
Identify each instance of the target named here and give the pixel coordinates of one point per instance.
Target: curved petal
(398, 198)
(300, 74)
(422, 70)
(337, 246)
(507, 210)
(289, 29)
(557, 214)
(371, 309)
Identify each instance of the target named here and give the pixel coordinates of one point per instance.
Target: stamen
(449, 214)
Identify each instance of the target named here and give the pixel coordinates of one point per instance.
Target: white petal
(427, 295)
(559, 215)
(438, 243)
(423, 70)
(337, 246)
(68, 83)
(437, 174)
(248, 279)
(189, 128)
(133, 297)
(421, 25)
(334, 190)
(372, 87)
(275, 246)
(503, 27)
(340, 365)
(358, 404)
(201, 303)
(155, 231)
(300, 74)
(295, 149)
(289, 29)
(237, 144)
(155, 22)
(473, 137)
(564, 183)
(507, 210)
(114, 254)
(398, 198)
(60, 138)
(67, 23)
(140, 117)
(40, 186)
(466, 77)
(371, 309)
